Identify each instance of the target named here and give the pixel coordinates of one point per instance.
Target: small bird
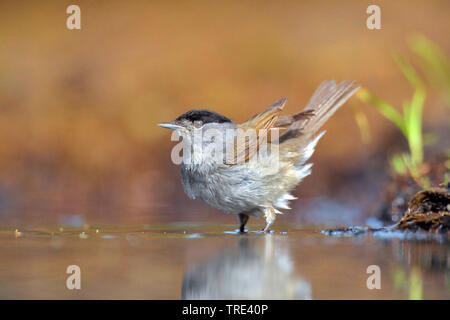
(238, 172)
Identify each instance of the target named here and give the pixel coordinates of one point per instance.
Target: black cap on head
(204, 116)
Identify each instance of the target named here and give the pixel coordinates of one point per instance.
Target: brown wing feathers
(327, 98)
(249, 136)
(265, 119)
(285, 121)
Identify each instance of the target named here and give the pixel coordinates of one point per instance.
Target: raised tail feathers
(301, 137)
(327, 98)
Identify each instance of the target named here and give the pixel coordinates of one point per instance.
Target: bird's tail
(327, 98)
(301, 137)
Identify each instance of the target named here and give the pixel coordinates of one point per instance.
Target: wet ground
(202, 261)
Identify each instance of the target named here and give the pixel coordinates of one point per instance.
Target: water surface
(214, 262)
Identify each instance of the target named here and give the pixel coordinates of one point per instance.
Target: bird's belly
(228, 199)
(226, 190)
(248, 187)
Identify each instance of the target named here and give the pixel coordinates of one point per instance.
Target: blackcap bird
(250, 168)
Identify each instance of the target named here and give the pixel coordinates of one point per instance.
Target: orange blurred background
(79, 108)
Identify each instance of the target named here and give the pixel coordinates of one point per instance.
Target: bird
(251, 168)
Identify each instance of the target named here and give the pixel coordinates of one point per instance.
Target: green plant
(409, 122)
(434, 64)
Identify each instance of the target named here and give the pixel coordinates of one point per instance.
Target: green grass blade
(409, 72)
(413, 111)
(385, 108)
(398, 164)
(415, 127)
(434, 63)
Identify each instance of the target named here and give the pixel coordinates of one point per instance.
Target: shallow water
(214, 262)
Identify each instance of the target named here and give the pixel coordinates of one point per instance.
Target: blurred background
(79, 108)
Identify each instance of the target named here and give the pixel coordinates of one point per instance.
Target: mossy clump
(428, 210)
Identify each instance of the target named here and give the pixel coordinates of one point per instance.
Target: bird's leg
(243, 218)
(269, 213)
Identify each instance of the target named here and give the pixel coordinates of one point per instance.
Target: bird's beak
(170, 125)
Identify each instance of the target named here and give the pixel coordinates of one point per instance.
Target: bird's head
(203, 133)
(196, 119)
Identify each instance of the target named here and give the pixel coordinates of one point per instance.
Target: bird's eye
(198, 124)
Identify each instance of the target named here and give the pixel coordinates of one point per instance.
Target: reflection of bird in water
(248, 272)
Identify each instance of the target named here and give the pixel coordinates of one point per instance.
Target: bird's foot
(267, 230)
(243, 218)
(269, 213)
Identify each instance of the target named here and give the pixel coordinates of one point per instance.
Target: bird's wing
(285, 121)
(265, 119)
(301, 127)
(253, 133)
